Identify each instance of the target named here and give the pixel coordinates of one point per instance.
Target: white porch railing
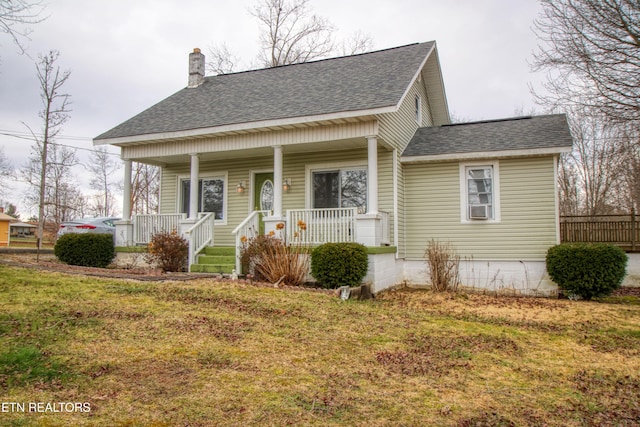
(200, 235)
(321, 226)
(247, 229)
(145, 226)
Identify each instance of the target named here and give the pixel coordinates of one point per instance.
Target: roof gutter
(241, 127)
(478, 155)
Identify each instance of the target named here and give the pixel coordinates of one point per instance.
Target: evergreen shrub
(587, 270)
(86, 249)
(339, 264)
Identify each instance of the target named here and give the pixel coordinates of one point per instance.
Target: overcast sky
(126, 55)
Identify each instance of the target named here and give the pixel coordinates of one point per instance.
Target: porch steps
(216, 259)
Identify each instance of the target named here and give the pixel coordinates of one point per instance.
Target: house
(359, 148)
(5, 222)
(23, 229)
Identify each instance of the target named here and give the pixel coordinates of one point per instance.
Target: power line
(19, 134)
(30, 137)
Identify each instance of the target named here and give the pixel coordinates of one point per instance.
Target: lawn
(203, 353)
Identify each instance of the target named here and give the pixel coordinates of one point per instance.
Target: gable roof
(23, 225)
(529, 135)
(374, 82)
(5, 217)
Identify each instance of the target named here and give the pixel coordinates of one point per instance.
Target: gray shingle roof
(519, 133)
(359, 82)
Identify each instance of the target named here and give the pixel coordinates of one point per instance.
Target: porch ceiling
(345, 144)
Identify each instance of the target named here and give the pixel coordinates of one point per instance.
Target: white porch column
(271, 222)
(194, 186)
(372, 175)
(124, 227)
(277, 181)
(126, 196)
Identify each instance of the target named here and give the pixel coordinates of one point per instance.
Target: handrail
(200, 235)
(247, 219)
(249, 226)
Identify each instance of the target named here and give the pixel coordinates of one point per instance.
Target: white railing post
(247, 229)
(385, 222)
(200, 235)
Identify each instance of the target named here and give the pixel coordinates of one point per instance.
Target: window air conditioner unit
(478, 212)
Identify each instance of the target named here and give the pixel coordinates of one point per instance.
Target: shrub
(87, 250)
(339, 264)
(587, 270)
(444, 265)
(169, 251)
(269, 259)
(251, 249)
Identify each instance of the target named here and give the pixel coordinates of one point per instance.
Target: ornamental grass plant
(269, 258)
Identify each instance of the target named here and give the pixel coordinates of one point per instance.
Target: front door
(263, 194)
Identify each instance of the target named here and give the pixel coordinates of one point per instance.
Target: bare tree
(597, 159)
(10, 209)
(591, 49)
(14, 14)
(290, 34)
(221, 60)
(54, 114)
(145, 189)
(630, 165)
(62, 199)
(6, 173)
(568, 194)
(102, 168)
(357, 43)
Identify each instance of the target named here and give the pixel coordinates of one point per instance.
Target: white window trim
(326, 167)
(209, 175)
(418, 107)
(464, 206)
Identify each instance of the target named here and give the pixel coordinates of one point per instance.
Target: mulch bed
(49, 262)
(627, 291)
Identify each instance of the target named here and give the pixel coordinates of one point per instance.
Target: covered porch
(305, 193)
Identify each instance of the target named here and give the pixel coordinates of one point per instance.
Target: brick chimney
(1, 210)
(196, 68)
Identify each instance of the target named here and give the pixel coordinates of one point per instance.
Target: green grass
(26, 363)
(208, 353)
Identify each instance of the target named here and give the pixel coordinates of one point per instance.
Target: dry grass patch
(205, 353)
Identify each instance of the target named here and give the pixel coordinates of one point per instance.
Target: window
(343, 188)
(479, 193)
(418, 111)
(210, 196)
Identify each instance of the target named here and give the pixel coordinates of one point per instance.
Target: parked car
(89, 225)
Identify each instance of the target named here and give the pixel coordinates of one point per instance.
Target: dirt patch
(49, 262)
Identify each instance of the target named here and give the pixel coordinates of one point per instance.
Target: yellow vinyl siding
(397, 129)
(4, 233)
(527, 204)
(294, 168)
(253, 140)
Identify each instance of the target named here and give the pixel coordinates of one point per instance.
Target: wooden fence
(620, 230)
